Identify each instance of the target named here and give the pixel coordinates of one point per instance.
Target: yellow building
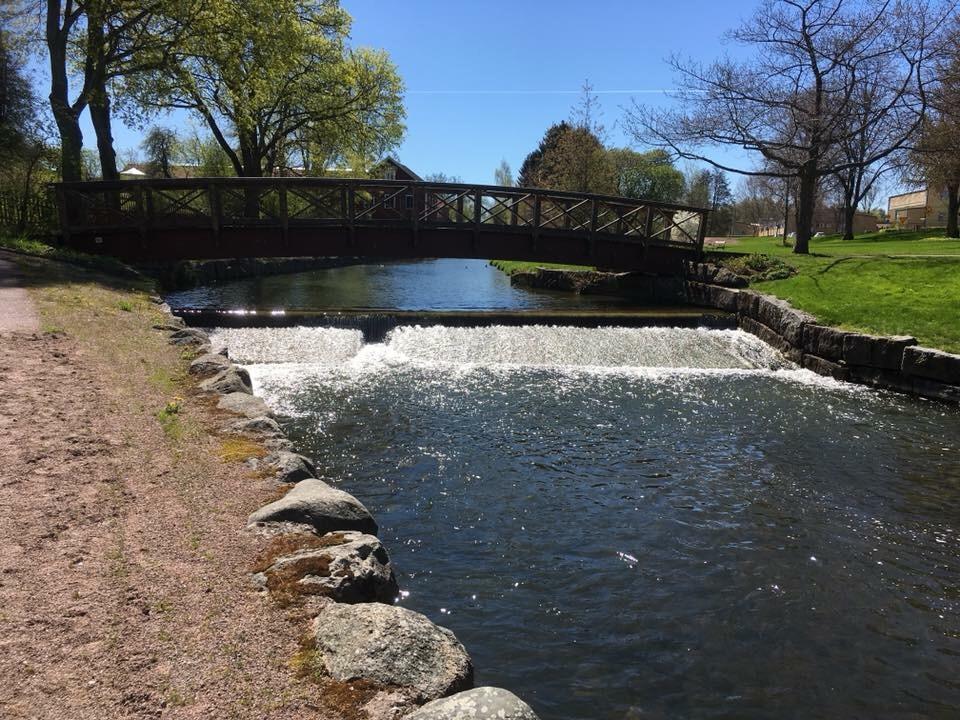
(918, 209)
(826, 220)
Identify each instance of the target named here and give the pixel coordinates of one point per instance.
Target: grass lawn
(511, 267)
(884, 283)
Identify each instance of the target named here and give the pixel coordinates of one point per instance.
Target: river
(645, 523)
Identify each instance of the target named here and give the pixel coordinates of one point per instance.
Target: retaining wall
(893, 363)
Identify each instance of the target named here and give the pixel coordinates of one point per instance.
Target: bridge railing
(220, 203)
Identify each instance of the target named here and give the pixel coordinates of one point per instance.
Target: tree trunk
(251, 168)
(806, 201)
(953, 206)
(65, 115)
(100, 117)
(786, 210)
(849, 214)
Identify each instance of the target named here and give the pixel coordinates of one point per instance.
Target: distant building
(918, 209)
(826, 220)
(136, 171)
(390, 169)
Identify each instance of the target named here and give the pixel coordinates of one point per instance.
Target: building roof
(399, 166)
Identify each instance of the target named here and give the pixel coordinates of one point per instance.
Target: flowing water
(652, 523)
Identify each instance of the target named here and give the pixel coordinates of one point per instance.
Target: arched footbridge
(206, 218)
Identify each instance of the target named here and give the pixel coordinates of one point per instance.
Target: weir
(376, 324)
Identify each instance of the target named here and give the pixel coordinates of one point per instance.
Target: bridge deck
(205, 218)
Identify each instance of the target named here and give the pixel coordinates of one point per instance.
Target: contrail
(535, 92)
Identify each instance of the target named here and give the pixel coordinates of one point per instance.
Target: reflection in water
(426, 285)
(616, 533)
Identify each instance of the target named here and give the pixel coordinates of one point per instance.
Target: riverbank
(889, 283)
(884, 283)
(126, 571)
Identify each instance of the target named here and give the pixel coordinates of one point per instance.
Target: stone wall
(894, 363)
(650, 289)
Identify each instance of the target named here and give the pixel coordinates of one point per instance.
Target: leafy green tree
(503, 175)
(26, 159)
(162, 148)
(648, 175)
(532, 169)
(260, 72)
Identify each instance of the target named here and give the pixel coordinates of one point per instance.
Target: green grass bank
(887, 283)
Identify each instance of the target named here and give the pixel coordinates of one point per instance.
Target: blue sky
(485, 80)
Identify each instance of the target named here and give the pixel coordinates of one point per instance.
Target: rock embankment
(322, 554)
(644, 288)
(893, 363)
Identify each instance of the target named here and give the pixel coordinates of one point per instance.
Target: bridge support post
(216, 212)
(477, 214)
(284, 215)
(351, 215)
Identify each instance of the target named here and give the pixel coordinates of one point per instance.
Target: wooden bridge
(205, 218)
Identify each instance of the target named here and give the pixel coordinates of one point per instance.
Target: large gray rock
(349, 567)
(482, 703)
(261, 426)
(189, 336)
(292, 467)
(245, 404)
(885, 353)
(391, 645)
(233, 379)
(932, 364)
(209, 364)
(324, 508)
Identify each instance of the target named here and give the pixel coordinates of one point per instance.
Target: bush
(759, 268)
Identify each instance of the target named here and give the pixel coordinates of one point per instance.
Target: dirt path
(124, 588)
(17, 313)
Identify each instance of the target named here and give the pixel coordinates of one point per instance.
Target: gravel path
(17, 312)
(124, 567)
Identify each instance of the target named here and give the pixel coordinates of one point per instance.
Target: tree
(162, 147)
(206, 157)
(260, 72)
(26, 160)
(100, 42)
(796, 100)
(580, 162)
(532, 169)
(503, 175)
(649, 175)
(935, 161)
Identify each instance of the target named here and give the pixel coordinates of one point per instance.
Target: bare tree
(798, 99)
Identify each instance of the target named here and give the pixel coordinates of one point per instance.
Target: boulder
(932, 364)
(245, 404)
(824, 342)
(292, 467)
(391, 646)
(324, 508)
(884, 353)
(728, 278)
(232, 379)
(348, 567)
(483, 703)
(174, 324)
(209, 364)
(188, 336)
(261, 425)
